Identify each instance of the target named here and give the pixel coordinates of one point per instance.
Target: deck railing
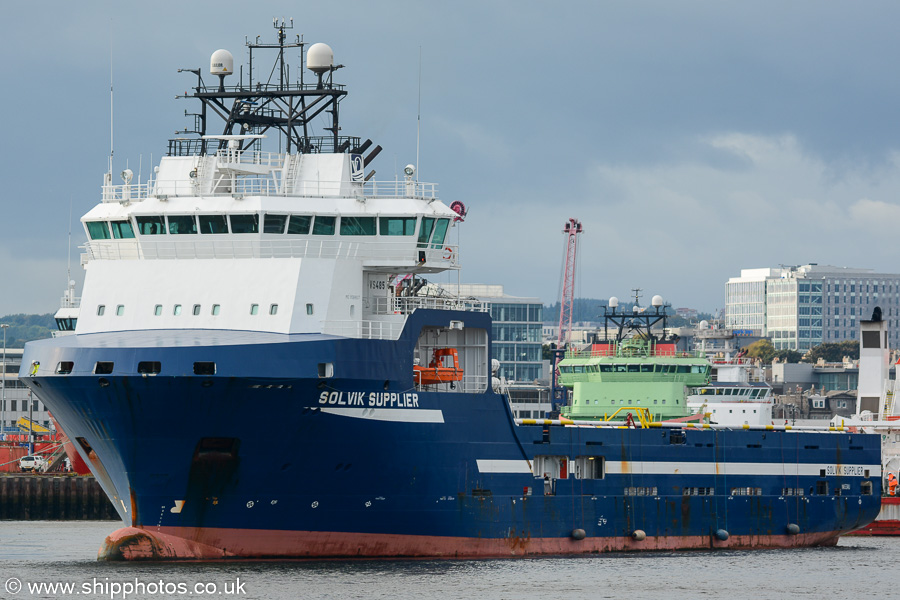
(222, 184)
(369, 252)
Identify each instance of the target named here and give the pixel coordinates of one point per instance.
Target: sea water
(58, 560)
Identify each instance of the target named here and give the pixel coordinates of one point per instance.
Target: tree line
(25, 328)
(832, 352)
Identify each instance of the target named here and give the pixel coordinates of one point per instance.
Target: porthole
(177, 310)
(120, 310)
(254, 309)
(215, 309)
(157, 310)
(273, 309)
(196, 310)
(101, 309)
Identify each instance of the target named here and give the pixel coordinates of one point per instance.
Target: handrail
(272, 184)
(220, 246)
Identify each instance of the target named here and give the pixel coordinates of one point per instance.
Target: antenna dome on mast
(656, 300)
(319, 58)
(221, 63)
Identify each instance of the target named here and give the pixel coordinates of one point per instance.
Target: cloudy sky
(692, 139)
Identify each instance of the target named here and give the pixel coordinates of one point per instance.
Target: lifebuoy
(448, 253)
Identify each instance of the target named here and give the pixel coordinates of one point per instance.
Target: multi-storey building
(804, 306)
(517, 329)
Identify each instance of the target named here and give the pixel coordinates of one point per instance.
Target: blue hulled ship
(241, 281)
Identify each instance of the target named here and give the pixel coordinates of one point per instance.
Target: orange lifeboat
(439, 369)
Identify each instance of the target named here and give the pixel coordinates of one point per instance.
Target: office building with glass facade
(804, 306)
(517, 330)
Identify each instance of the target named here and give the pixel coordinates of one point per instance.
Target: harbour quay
(36, 497)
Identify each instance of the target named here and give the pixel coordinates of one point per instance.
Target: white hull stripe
(397, 415)
(738, 468)
(503, 466)
(700, 468)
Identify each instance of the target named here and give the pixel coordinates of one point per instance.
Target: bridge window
(397, 225)
(122, 229)
(211, 224)
(98, 230)
(299, 224)
(425, 231)
(323, 225)
(274, 223)
(244, 223)
(182, 224)
(154, 225)
(440, 232)
(357, 225)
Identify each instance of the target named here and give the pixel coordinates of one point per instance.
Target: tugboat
(243, 285)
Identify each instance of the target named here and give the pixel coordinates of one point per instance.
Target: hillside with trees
(25, 328)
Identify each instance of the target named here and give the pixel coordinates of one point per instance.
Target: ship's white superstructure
(314, 255)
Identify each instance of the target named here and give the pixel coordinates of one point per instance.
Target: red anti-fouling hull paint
(887, 522)
(887, 527)
(132, 543)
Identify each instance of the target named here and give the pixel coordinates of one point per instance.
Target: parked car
(32, 463)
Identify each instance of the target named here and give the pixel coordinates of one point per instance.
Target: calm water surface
(35, 553)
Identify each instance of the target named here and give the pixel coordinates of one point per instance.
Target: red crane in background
(567, 298)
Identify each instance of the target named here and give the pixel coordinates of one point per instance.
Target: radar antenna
(251, 109)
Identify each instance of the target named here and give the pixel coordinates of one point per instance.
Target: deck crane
(567, 297)
(566, 304)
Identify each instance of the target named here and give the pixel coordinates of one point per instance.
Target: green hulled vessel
(636, 369)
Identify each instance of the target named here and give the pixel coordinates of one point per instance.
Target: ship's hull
(266, 459)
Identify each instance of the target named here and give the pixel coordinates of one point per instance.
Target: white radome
(319, 58)
(221, 63)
